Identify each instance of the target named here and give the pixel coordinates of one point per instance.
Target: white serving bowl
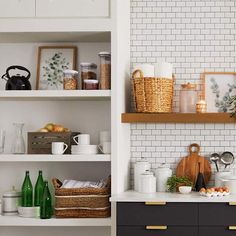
(29, 212)
(185, 189)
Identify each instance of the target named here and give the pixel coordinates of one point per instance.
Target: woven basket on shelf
(82, 202)
(152, 94)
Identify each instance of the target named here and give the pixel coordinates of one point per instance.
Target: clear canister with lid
(70, 80)
(88, 72)
(91, 84)
(188, 98)
(105, 70)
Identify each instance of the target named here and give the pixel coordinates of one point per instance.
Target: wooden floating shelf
(20, 221)
(54, 158)
(54, 95)
(177, 118)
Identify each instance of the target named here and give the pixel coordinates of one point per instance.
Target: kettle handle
(16, 67)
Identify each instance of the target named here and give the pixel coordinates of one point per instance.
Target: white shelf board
(54, 95)
(20, 221)
(54, 158)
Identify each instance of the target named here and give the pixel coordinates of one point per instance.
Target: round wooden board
(189, 167)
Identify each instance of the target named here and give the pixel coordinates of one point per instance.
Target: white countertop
(132, 196)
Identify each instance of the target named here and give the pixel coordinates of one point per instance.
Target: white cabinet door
(72, 8)
(17, 8)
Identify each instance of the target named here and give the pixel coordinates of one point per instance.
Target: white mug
(58, 148)
(104, 136)
(82, 139)
(105, 147)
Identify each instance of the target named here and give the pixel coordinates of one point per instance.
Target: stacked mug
(83, 145)
(105, 142)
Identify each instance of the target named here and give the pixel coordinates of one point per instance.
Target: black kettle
(16, 81)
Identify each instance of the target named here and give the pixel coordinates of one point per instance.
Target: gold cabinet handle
(155, 203)
(232, 227)
(232, 203)
(156, 227)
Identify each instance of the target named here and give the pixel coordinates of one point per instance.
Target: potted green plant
(174, 182)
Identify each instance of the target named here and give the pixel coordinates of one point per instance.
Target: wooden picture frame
(64, 57)
(216, 90)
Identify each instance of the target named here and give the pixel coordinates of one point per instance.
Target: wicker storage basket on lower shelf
(152, 94)
(82, 202)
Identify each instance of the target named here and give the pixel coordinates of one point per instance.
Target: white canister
(164, 70)
(230, 182)
(147, 69)
(162, 174)
(139, 168)
(10, 202)
(219, 176)
(147, 182)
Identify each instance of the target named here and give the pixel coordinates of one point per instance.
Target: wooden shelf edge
(177, 118)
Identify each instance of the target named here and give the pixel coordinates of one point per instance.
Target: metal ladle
(215, 157)
(227, 158)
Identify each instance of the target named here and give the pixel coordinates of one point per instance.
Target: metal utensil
(215, 157)
(227, 158)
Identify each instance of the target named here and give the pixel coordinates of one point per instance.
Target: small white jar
(139, 168)
(147, 182)
(162, 175)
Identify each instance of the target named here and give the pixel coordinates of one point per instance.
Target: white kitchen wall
(195, 36)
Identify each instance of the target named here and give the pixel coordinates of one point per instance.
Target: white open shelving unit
(85, 111)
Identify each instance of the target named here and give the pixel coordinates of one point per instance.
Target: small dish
(185, 189)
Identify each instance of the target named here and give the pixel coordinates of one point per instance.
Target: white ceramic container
(162, 174)
(230, 182)
(219, 176)
(185, 189)
(147, 182)
(139, 168)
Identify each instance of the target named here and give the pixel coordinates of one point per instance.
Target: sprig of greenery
(174, 181)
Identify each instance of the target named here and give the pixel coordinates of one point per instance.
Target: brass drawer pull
(155, 203)
(232, 203)
(156, 227)
(232, 227)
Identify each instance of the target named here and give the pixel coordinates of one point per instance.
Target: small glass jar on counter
(90, 84)
(105, 70)
(188, 98)
(70, 80)
(88, 72)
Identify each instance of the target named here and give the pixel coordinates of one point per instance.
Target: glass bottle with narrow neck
(38, 189)
(27, 191)
(46, 203)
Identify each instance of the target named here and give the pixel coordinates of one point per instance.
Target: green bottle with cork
(27, 191)
(38, 189)
(46, 203)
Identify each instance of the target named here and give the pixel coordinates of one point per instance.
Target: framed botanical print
(52, 61)
(218, 89)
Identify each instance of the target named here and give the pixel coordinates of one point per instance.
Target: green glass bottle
(46, 203)
(27, 191)
(38, 189)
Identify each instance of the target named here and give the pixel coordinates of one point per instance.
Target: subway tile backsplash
(195, 36)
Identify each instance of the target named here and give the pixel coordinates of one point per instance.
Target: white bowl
(185, 189)
(29, 212)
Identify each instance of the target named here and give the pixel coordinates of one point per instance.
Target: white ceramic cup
(58, 148)
(82, 139)
(104, 136)
(105, 147)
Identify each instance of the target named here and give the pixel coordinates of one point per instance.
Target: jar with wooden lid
(70, 80)
(88, 72)
(105, 70)
(188, 98)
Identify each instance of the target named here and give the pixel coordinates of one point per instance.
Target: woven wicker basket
(152, 94)
(82, 202)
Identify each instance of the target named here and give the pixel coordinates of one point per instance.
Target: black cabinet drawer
(170, 231)
(139, 213)
(216, 231)
(218, 214)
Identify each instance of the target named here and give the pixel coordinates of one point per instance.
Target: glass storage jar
(90, 84)
(70, 80)
(88, 72)
(188, 98)
(105, 70)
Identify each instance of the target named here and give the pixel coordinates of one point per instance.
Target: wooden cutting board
(189, 167)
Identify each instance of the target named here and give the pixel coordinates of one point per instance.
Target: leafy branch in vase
(53, 71)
